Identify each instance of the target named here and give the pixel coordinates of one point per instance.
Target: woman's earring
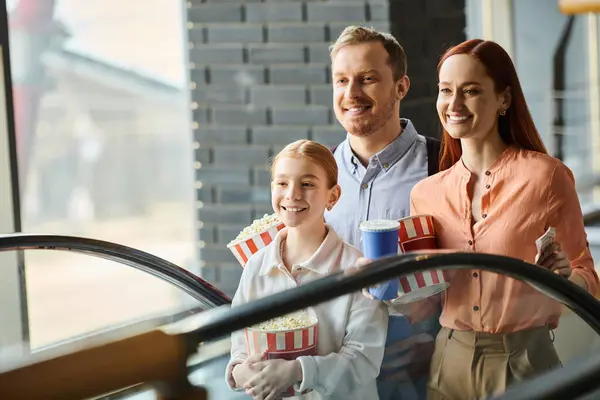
(503, 112)
(328, 208)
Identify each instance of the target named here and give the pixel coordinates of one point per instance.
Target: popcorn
(254, 237)
(417, 234)
(257, 226)
(286, 323)
(287, 337)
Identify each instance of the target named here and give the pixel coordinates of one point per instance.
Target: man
(380, 161)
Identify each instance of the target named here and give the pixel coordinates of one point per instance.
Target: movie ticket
(545, 240)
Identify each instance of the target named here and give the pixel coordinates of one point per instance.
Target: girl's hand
(274, 378)
(242, 373)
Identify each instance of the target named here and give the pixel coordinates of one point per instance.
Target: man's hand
(243, 372)
(360, 263)
(409, 358)
(274, 378)
(358, 266)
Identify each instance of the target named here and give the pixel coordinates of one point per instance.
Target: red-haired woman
(497, 193)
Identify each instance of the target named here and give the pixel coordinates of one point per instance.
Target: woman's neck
(479, 155)
(301, 243)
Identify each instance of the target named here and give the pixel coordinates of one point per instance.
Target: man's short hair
(360, 34)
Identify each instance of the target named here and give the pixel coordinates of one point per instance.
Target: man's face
(365, 95)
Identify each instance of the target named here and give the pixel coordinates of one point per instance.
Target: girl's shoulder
(348, 255)
(261, 259)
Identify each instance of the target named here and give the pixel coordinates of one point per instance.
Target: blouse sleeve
(564, 214)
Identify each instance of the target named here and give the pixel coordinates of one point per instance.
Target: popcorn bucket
(259, 235)
(287, 344)
(418, 233)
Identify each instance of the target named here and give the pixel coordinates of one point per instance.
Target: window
(104, 151)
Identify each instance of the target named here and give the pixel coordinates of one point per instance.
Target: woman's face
(467, 104)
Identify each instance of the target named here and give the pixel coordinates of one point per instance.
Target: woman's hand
(555, 260)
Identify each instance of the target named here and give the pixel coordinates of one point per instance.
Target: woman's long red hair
(516, 127)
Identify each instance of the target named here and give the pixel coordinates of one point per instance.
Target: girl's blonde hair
(316, 153)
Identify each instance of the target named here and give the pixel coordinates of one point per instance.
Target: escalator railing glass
(196, 287)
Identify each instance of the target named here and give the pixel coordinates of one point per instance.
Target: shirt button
(470, 242)
(475, 274)
(484, 216)
(475, 308)
(386, 165)
(488, 173)
(365, 185)
(487, 186)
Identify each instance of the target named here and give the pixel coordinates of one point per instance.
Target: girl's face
(300, 192)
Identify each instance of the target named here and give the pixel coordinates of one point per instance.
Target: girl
(497, 193)
(352, 329)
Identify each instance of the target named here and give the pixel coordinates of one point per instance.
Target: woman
(497, 193)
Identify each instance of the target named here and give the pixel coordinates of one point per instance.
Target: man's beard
(368, 126)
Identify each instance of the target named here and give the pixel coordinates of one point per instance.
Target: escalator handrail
(194, 286)
(339, 284)
(225, 321)
(555, 385)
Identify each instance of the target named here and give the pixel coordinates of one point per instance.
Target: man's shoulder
(335, 148)
(427, 146)
(428, 142)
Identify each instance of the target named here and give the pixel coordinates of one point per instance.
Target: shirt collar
(508, 154)
(392, 152)
(321, 262)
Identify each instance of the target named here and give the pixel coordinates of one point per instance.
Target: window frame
(14, 330)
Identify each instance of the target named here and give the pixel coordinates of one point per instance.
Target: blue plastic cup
(380, 239)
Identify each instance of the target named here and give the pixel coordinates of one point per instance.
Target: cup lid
(379, 225)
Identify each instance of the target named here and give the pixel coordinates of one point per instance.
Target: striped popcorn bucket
(244, 248)
(418, 233)
(284, 344)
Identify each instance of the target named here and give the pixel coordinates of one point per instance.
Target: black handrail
(339, 284)
(221, 322)
(556, 385)
(199, 289)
